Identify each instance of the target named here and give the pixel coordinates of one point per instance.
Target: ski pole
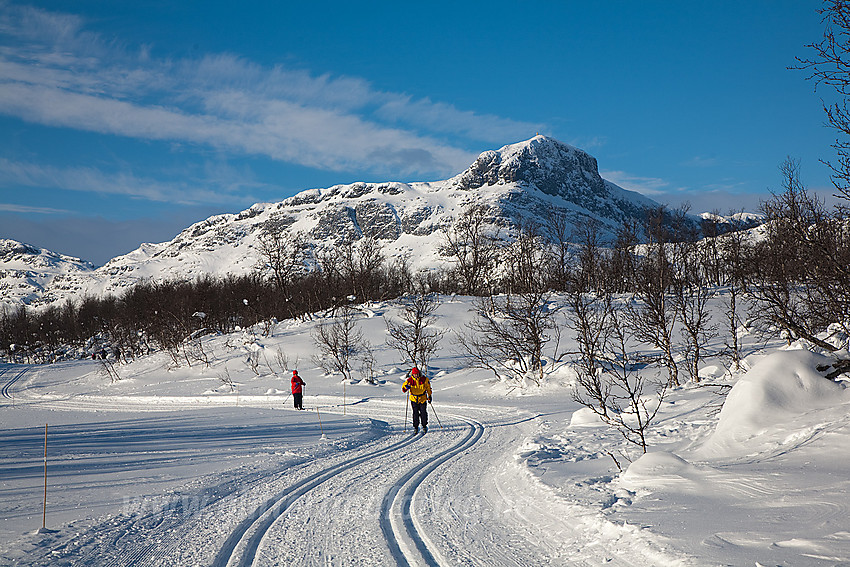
(435, 414)
(406, 400)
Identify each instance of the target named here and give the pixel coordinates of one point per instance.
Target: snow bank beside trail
(664, 470)
(775, 392)
(661, 462)
(585, 417)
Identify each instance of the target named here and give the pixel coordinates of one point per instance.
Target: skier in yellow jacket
(420, 394)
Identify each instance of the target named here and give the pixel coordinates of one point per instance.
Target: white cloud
(56, 74)
(92, 180)
(27, 22)
(644, 185)
(441, 117)
(24, 209)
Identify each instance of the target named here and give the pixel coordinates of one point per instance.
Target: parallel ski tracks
(253, 529)
(408, 543)
(404, 536)
(6, 390)
(402, 531)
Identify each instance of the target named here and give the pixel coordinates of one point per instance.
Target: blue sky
(123, 122)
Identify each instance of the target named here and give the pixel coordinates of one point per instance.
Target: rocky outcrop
(29, 273)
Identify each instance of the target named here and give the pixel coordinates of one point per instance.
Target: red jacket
(297, 382)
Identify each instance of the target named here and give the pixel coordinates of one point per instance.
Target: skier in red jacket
(297, 391)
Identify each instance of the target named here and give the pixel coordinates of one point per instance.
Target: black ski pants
(298, 398)
(420, 413)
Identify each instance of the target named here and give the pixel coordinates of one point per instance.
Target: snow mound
(776, 391)
(663, 471)
(585, 417)
(712, 372)
(652, 465)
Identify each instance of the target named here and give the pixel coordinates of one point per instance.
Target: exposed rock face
(377, 220)
(519, 182)
(484, 171)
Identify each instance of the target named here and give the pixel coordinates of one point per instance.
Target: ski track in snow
(451, 497)
(400, 526)
(421, 505)
(11, 375)
(242, 545)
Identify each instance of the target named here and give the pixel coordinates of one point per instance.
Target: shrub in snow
(612, 388)
(339, 343)
(509, 336)
(253, 350)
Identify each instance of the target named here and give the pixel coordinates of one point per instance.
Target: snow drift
(766, 400)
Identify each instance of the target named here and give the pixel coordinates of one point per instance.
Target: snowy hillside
(210, 465)
(30, 274)
(521, 181)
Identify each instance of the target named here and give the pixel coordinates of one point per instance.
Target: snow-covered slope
(29, 273)
(523, 181)
(209, 464)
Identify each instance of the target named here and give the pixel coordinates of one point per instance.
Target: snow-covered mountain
(27, 273)
(519, 182)
(735, 221)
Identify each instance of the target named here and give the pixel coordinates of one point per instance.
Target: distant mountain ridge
(519, 182)
(27, 272)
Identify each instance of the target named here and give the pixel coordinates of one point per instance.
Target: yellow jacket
(420, 388)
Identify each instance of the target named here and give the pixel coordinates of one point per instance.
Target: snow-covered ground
(168, 466)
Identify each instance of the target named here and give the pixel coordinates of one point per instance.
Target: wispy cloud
(93, 180)
(591, 143)
(725, 185)
(55, 73)
(700, 161)
(24, 209)
(643, 185)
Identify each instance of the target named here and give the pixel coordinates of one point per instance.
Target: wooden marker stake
(44, 509)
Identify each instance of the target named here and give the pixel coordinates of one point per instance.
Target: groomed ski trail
(404, 532)
(402, 538)
(240, 548)
(455, 496)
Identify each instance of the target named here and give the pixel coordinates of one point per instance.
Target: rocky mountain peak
(26, 271)
(22, 256)
(551, 166)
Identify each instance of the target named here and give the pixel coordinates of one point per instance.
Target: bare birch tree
(414, 336)
(471, 246)
(509, 335)
(338, 343)
(620, 395)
